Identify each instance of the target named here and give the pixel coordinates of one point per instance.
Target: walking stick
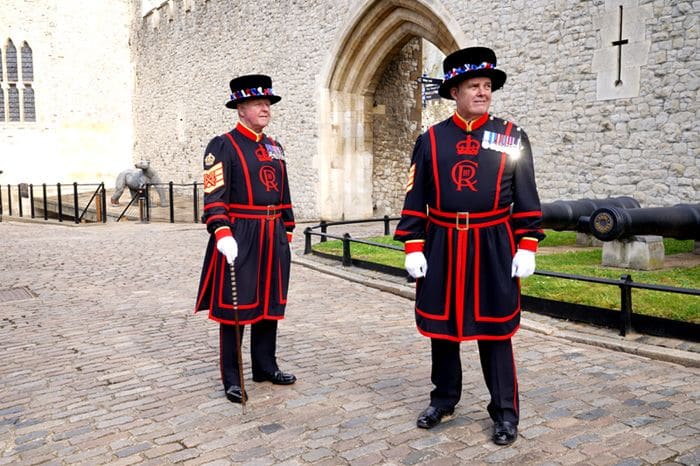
(234, 299)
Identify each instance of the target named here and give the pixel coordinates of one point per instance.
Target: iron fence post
(142, 205)
(625, 305)
(19, 200)
(147, 198)
(9, 200)
(0, 203)
(386, 225)
(46, 202)
(75, 201)
(347, 259)
(172, 207)
(195, 200)
(103, 200)
(307, 240)
(324, 229)
(31, 200)
(60, 203)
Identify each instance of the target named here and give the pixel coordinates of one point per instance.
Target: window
(27, 65)
(11, 61)
(28, 94)
(16, 91)
(13, 98)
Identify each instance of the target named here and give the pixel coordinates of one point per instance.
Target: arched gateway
(381, 35)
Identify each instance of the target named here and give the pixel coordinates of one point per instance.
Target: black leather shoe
(234, 394)
(504, 433)
(277, 378)
(431, 416)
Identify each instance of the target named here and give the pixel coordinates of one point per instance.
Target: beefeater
(471, 225)
(248, 213)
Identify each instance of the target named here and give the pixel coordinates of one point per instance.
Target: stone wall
(123, 86)
(645, 146)
(396, 119)
(83, 81)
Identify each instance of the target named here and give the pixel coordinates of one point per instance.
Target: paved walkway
(104, 362)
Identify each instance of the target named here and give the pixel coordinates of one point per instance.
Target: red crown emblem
(262, 155)
(469, 146)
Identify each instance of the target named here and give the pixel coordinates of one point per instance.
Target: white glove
(416, 265)
(523, 264)
(228, 247)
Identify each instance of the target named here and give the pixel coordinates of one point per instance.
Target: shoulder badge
(209, 160)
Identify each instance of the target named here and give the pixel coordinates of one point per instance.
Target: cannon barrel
(681, 221)
(564, 215)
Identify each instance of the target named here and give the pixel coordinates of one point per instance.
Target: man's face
(473, 97)
(255, 113)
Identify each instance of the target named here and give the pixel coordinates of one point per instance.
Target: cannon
(564, 215)
(681, 221)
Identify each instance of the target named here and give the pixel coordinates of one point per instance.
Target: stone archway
(378, 33)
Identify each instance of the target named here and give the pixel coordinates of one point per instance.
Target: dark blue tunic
(246, 191)
(471, 202)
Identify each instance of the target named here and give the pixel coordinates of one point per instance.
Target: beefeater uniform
(246, 193)
(471, 198)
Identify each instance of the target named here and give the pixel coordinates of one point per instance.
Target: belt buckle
(270, 213)
(459, 225)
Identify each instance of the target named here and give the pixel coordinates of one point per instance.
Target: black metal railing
(50, 204)
(625, 319)
(86, 202)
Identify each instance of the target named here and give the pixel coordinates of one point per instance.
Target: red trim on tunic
(474, 124)
(243, 322)
(461, 279)
(283, 299)
(244, 165)
(448, 294)
(402, 232)
(532, 213)
(217, 217)
(211, 205)
(436, 177)
(413, 246)
(268, 277)
(529, 244)
(249, 133)
(515, 382)
(261, 207)
(414, 213)
(223, 232)
(501, 169)
(469, 337)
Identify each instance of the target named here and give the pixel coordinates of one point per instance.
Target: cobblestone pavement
(104, 362)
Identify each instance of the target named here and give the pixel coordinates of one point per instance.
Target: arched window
(2, 91)
(27, 64)
(28, 97)
(2, 104)
(11, 59)
(13, 97)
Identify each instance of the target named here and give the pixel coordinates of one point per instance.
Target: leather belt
(268, 212)
(465, 220)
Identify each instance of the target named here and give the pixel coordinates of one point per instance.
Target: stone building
(607, 90)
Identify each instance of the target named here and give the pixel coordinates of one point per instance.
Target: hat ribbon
(468, 67)
(252, 92)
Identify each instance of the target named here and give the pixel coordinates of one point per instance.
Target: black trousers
(498, 366)
(263, 345)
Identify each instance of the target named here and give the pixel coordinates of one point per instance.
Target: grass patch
(585, 262)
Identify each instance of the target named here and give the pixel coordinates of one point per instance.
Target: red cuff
(289, 236)
(529, 244)
(414, 246)
(222, 232)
